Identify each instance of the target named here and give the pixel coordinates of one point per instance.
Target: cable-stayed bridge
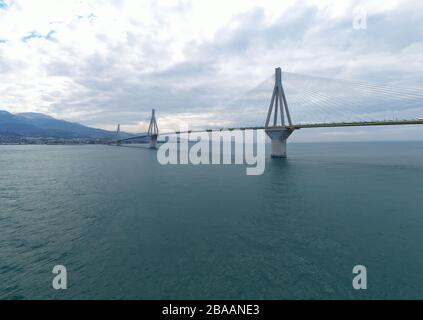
(305, 102)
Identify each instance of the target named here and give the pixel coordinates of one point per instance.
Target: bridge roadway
(296, 127)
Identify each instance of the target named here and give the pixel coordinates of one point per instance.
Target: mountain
(38, 125)
(34, 115)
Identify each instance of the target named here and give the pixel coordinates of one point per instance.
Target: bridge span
(278, 126)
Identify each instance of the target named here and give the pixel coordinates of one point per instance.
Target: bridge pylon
(118, 135)
(153, 130)
(278, 133)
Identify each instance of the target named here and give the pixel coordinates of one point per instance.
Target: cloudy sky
(102, 62)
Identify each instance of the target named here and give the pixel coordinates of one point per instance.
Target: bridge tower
(118, 135)
(278, 134)
(153, 130)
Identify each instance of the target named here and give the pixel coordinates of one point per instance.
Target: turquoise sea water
(127, 228)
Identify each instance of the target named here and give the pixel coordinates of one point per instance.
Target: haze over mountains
(42, 126)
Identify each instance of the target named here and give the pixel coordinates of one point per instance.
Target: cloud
(102, 62)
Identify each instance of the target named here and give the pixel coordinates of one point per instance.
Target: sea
(126, 227)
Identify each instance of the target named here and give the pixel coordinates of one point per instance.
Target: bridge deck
(298, 127)
(319, 125)
(359, 124)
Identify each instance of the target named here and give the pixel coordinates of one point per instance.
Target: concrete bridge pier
(279, 138)
(153, 141)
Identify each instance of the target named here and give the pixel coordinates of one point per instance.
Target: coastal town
(19, 140)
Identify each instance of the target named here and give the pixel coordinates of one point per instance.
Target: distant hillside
(39, 125)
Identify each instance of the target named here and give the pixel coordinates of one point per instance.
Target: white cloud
(102, 62)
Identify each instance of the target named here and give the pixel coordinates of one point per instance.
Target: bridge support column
(278, 133)
(118, 142)
(153, 141)
(278, 138)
